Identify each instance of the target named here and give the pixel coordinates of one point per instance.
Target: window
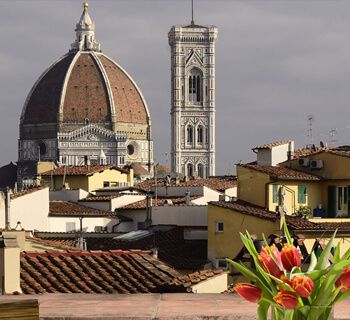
(275, 193)
(130, 149)
(200, 134)
(220, 263)
(105, 184)
(194, 86)
(219, 226)
(302, 194)
(189, 134)
(70, 226)
(200, 168)
(190, 169)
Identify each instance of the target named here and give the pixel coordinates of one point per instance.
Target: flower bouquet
(278, 283)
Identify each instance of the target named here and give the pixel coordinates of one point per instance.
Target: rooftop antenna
(333, 136)
(192, 21)
(310, 120)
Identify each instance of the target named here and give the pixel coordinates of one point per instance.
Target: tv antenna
(310, 134)
(333, 136)
(192, 20)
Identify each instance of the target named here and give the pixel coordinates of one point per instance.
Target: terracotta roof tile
(72, 209)
(61, 244)
(93, 272)
(219, 183)
(184, 283)
(142, 204)
(139, 170)
(294, 223)
(282, 173)
(80, 170)
(272, 144)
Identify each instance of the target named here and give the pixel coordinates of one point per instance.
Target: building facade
(84, 109)
(193, 99)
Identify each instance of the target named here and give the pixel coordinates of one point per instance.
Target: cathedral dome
(85, 86)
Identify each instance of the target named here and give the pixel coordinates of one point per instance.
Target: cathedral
(84, 109)
(193, 99)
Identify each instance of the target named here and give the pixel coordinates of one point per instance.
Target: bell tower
(193, 99)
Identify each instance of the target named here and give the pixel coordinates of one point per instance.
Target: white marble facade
(193, 99)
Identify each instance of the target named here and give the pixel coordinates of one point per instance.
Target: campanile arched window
(200, 134)
(200, 169)
(189, 170)
(194, 86)
(189, 134)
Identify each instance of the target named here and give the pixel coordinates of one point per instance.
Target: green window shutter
(275, 193)
(301, 194)
(332, 203)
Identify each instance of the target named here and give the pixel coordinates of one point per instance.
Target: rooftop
(282, 173)
(81, 170)
(160, 201)
(72, 209)
(272, 144)
(219, 183)
(294, 223)
(114, 271)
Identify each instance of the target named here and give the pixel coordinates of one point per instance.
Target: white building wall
(216, 284)
(177, 191)
(31, 210)
(59, 224)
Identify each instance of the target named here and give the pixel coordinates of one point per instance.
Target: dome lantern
(85, 33)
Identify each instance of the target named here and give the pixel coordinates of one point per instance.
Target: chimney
(177, 180)
(9, 265)
(188, 198)
(290, 152)
(7, 208)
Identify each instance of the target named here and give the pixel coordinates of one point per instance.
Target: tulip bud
(303, 286)
(344, 280)
(248, 291)
(286, 299)
(290, 257)
(268, 263)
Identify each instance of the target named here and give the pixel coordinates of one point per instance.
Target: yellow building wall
(334, 166)
(74, 182)
(216, 284)
(227, 244)
(252, 186)
(96, 180)
(313, 195)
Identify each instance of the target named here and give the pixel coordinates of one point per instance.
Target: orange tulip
(290, 257)
(286, 299)
(268, 263)
(303, 286)
(248, 291)
(344, 280)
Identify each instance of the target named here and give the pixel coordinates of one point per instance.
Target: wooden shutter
(301, 194)
(332, 203)
(275, 193)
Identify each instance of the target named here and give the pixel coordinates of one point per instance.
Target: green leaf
(313, 262)
(263, 308)
(316, 274)
(286, 233)
(244, 270)
(346, 255)
(342, 296)
(323, 259)
(325, 291)
(336, 257)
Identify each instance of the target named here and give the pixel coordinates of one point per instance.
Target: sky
(277, 62)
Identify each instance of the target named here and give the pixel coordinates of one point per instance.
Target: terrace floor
(149, 306)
